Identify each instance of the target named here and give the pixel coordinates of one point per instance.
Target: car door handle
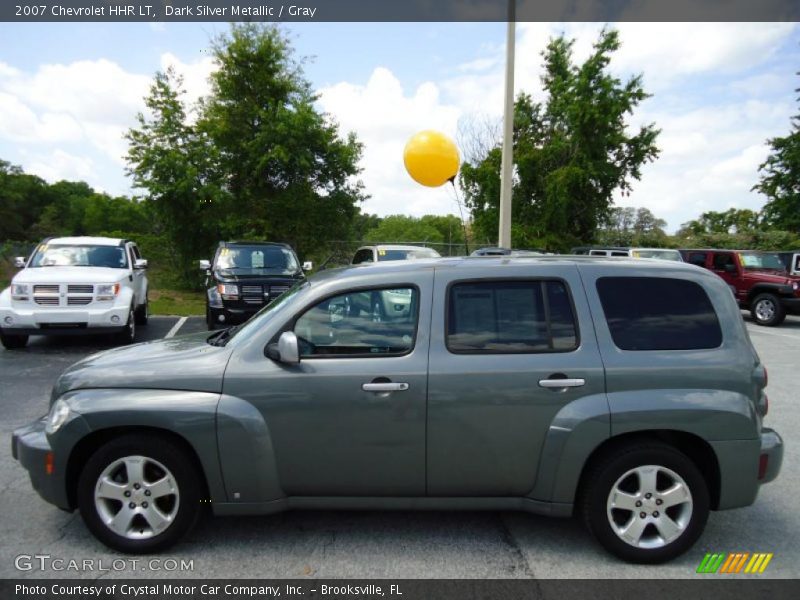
(384, 387)
(561, 383)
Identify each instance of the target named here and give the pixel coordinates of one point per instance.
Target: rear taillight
(763, 464)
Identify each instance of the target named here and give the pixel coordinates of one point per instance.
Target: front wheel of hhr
(140, 493)
(647, 503)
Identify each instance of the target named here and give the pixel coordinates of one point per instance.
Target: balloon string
(452, 181)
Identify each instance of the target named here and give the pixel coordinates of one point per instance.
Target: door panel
(488, 413)
(330, 435)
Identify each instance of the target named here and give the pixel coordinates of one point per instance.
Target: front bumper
(231, 316)
(30, 446)
(63, 321)
(771, 455)
(791, 305)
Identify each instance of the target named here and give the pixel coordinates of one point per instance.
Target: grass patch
(174, 302)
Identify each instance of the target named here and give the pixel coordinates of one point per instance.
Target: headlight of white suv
(107, 291)
(20, 291)
(59, 413)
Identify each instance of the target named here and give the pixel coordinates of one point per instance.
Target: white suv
(76, 285)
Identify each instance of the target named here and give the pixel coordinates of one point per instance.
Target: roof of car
(661, 249)
(499, 262)
(395, 247)
(252, 243)
(725, 250)
(85, 239)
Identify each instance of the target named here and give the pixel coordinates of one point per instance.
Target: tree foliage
(259, 161)
(733, 220)
(571, 153)
(629, 226)
(780, 180)
(31, 209)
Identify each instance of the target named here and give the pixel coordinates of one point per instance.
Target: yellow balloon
(431, 158)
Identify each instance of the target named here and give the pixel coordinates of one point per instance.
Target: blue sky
(69, 91)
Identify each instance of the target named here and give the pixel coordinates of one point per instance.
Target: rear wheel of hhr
(646, 503)
(766, 310)
(139, 493)
(13, 342)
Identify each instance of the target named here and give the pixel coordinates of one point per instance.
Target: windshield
(660, 254)
(257, 259)
(757, 260)
(85, 255)
(261, 318)
(407, 254)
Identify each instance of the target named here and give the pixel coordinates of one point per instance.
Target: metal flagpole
(506, 169)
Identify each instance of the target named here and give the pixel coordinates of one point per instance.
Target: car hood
(70, 275)
(256, 276)
(180, 363)
(772, 276)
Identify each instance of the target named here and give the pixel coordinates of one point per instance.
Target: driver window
(722, 260)
(362, 323)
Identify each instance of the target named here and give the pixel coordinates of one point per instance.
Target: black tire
(128, 333)
(604, 475)
(210, 320)
(181, 468)
(767, 310)
(142, 313)
(13, 342)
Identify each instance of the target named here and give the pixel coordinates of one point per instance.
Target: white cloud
(384, 117)
(195, 74)
(58, 165)
(73, 115)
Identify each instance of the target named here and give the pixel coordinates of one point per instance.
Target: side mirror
(287, 350)
(140, 263)
(308, 265)
(19, 262)
(205, 265)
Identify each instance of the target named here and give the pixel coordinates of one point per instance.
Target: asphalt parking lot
(384, 544)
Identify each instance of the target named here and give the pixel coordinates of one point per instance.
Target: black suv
(244, 276)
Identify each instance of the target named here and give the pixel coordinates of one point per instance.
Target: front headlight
(214, 299)
(107, 291)
(229, 291)
(59, 413)
(20, 291)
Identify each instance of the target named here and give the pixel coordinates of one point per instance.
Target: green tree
(178, 168)
(288, 170)
(733, 220)
(572, 152)
(400, 228)
(780, 180)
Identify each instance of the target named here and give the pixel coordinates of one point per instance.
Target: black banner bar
(397, 10)
(703, 586)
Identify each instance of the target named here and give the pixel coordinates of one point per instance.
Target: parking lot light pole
(507, 164)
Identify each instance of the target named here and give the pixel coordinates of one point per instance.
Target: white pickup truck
(73, 286)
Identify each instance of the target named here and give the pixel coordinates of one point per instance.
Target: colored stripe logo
(732, 563)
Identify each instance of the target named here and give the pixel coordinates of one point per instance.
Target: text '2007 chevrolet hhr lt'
(623, 391)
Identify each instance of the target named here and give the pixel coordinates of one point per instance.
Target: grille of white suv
(74, 294)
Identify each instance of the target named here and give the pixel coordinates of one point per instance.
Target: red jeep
(759, 281)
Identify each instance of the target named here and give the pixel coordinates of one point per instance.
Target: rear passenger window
(510, 317)
(649, 313)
